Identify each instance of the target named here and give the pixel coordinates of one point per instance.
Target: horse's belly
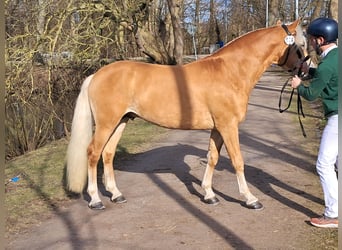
(180, 120)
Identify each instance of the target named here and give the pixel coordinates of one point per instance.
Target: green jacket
(324, 83)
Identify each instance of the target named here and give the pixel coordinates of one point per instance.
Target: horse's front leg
(108, 157)
(230, 136)
(215, 144)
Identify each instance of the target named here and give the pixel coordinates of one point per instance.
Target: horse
(211, 93)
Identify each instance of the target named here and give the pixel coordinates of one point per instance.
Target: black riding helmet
(324, 27)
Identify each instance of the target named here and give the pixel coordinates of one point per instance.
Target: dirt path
(164, 208)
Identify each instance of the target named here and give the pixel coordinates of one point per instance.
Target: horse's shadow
(171, 160)
(159, 160)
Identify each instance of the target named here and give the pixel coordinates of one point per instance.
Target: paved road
(162, 186)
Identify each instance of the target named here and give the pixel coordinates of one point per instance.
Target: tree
(274, 13)
(333, 9)
(175, 9)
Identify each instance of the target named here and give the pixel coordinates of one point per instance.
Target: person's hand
(305, 68)
(295, 82)
(301, 67)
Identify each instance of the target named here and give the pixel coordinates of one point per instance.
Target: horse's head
(295, 51)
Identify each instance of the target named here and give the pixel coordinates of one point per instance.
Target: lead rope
(300, 111)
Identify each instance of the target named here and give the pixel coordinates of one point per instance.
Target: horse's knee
(238, 165)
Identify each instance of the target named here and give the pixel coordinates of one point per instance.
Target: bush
(39, 106)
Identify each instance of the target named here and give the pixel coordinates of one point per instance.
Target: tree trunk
(333, 9)
(212, 34)
(197, 23)
(318, 5)
(274, 14)
(175, 8)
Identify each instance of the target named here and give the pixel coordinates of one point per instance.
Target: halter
(288, 50)
(290, 41)
(299, 73)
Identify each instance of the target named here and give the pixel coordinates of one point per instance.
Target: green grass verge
(40, 188)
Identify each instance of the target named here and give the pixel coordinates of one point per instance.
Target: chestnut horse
(208, 94)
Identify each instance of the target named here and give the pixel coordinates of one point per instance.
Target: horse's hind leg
(108, 157)
(94, 151)
(215, 145)
(230, 136)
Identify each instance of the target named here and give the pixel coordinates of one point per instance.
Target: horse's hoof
(212, 201)
(255, 205)
(97, 206)
(120, 199)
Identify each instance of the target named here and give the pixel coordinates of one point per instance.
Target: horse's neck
(253, 53)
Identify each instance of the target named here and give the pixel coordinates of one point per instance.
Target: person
(323, 35)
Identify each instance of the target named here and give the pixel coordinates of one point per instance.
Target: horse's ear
(292, 27)
(298, 21)
(279, 22)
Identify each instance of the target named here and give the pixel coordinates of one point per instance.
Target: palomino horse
(209, 94)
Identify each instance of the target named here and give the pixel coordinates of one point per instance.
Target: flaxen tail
(81, 135)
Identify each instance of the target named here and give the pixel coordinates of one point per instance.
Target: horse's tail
(81, 135)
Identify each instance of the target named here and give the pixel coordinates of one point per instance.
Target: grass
(40, 188)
